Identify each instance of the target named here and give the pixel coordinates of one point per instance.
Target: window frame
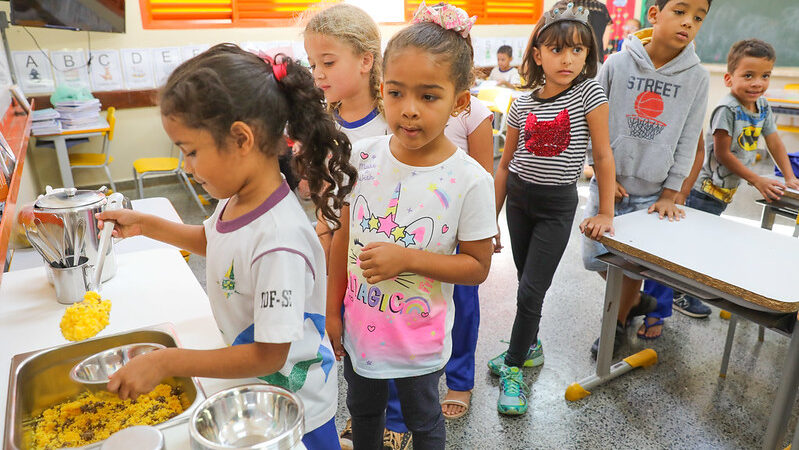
(235, 21)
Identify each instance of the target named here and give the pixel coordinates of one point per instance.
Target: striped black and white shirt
(553, 133)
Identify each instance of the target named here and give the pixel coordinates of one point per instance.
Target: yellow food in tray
(87, 318)
(94, 417)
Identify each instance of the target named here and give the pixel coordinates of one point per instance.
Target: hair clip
(446, 16)
(279, 70)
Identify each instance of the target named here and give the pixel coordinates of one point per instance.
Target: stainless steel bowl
(93, 372)
(257, 416)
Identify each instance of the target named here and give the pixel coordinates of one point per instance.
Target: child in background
(630, 27)
(504, 74)
(343, 46)
(227, 110)
(393, 263)
(736, 124)
(657, 89)
(538, 174)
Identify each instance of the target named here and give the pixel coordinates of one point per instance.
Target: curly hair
(226, 84)
(355, 27)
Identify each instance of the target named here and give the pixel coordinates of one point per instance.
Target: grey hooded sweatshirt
(656, 116)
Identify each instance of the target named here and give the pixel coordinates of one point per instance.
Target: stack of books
(79, 114)
(45, 121)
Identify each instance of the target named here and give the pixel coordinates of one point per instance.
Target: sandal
(647, 326)
(461, 403)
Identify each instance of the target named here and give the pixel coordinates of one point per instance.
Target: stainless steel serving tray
(40, 379)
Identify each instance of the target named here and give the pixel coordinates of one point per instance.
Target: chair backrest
(792, 87)
(497, 99)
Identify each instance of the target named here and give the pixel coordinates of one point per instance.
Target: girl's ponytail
(324, 153)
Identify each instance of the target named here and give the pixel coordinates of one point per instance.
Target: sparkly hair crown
(570, 13)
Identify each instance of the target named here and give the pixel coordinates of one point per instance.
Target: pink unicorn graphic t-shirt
(401, 327)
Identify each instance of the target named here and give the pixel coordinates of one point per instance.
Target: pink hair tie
(279, 70)
(447, 17)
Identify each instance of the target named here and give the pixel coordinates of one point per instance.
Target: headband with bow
(447, 17)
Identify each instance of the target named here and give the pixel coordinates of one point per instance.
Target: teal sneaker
(534, 358)
(513, 392)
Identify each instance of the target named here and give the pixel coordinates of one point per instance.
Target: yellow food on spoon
(87, 318)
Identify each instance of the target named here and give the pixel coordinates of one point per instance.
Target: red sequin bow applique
(547, 137)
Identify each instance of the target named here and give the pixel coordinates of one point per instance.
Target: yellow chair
(102, 159)
(498, 101)
(792, 87)
(149, 167)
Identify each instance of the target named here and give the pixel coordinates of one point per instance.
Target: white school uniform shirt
(266, 282)
(402, 327)
(374, 124)
(511, 75)
(460, 127)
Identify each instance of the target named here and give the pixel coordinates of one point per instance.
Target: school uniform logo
(648, 105)
(547, 137)
(228, 282)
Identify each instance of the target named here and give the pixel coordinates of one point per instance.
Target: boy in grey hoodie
(657, 92)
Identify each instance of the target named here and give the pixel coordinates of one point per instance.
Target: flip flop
(647, 326)
(457, 403)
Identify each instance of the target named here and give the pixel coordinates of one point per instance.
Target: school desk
(60, 142)
(785, 102)
(689, 255)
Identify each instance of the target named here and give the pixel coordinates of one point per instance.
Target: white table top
(150, 287)
(750, 262)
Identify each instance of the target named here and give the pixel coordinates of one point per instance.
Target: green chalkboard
(774, 21)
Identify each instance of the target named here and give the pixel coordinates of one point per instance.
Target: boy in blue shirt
(657, 91)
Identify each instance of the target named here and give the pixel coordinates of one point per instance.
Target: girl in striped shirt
(547, 138)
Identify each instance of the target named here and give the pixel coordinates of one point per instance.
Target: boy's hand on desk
(679, 199)
(335, 331)
(666, 207)
(769, 188)
(595, 227)
(620, 192)
(793, 184)
(128, 223)
(139, 376)
(382, 261)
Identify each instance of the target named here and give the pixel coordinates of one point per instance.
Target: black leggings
(540, 218)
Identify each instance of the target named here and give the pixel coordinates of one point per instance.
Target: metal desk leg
(604, 371)
(767, 219)
(795, 442)
(786, 394)
(761, 333)
(725, 359)
(63, 161)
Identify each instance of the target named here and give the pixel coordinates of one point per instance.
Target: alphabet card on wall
(190, 51)
(106, 71)
(165, 61)
(70, 68)
(137, 66)
(33, 72)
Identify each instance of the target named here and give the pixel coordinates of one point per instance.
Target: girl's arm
(604, 171)
(382, 260)
(144, 372)
(132, 223)
(481, 145)
(501, 176)
(337, 282)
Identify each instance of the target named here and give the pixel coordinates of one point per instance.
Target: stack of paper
(76, 114)
(45, 121)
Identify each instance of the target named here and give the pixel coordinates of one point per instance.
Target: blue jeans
(664, 294)
(592, 248)
(367, 399)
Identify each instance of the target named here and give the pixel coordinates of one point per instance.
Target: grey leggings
(540, 218)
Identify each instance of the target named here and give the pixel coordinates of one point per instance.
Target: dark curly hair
(226, 84)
